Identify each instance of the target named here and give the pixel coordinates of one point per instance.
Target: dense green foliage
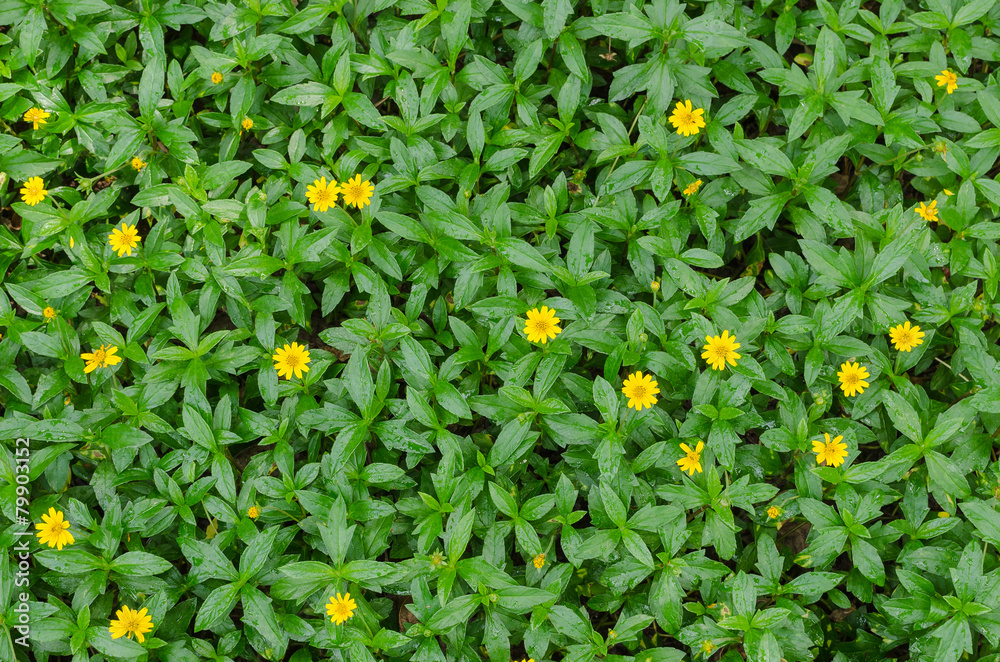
(481, 496)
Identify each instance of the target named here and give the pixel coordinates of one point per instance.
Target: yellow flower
(322, 195)
(538, 561)
(542, 325)
(33, 191)
(254, 512)
(438, 559)
(356, 192)
(692, 188)
(928, 212)
(247, 124)
(341, 608)
(905, 338)
(612, 635)
(692, 461)
(49, 313)
(291, 359)
(655, 285)
(707, 647)
(101, 358)
(640, 390)
(131, 622)
(832, 453)
(948, 78)
(216, 77)
(774, 512)
(36, 116)
(721, 349)
(687, 120)
(852, 378)
(124, 239)
(54, 531)
(138, 163)
(947, 192)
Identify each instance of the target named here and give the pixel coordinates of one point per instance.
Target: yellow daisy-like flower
(721, 349)
(948, 78)
(36, 116)
(254, 512)
(691, 462)
(341, 608)
(54, 530)
(852, 378)
(322, 195)
(33, 191)
(832, 453)
(49, 313)
(291, 359)
(928, 212)
(774, 512)
(124, 239)
(539, 561)
(356, 192)
(100, 358)
(247, 124)
(542, 325)
(707, 647)
(138, 163)
(905, 337)
(692, 188)
(640, 390)
(947, 192)
(129, 622)
(686, 119)
(216, 77)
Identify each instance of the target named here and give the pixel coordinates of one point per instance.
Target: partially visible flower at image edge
(54, 530)
(131, 622)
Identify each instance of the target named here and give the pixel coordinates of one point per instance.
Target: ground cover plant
(499, 330)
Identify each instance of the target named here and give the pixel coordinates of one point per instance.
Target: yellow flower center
(720, 351)
(322, 196)
(851, 378)
(33, 189)
(340, 611)
(639, 391)
(99, 355)
(542, 325)
(293, 360)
